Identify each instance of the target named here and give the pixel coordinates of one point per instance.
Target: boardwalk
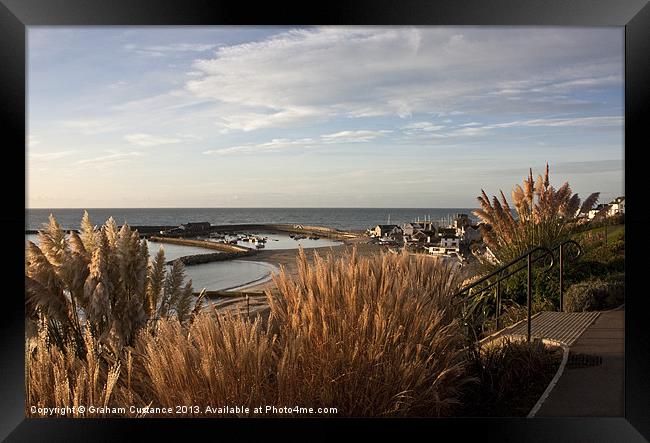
(564, 327)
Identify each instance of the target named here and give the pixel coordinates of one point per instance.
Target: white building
(616, 207)
(450, 242)
(385, 231)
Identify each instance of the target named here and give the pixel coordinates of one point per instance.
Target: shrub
(595, 295)
(510, 376)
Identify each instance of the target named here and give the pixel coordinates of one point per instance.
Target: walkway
(592, 381)
(592, 384)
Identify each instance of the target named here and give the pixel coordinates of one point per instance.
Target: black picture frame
(16, 15)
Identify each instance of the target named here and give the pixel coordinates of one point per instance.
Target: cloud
(600, 121)
(148, 140)
(317, 74)
(353, 136)
(277, 144)
(92, 126)
(48, 156)
(423, 126)
(109, 159)
(117, 85)
(283, 144)
(585, 122)
(254, 121)
(169, 49)
(476, 129)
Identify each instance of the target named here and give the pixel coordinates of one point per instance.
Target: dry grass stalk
(545, 216)
(355, 334)
(370, 336)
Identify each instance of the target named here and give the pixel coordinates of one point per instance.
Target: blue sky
(319, 116)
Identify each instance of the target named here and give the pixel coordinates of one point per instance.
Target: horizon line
(258, 207)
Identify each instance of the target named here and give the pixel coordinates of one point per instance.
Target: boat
(314, 237)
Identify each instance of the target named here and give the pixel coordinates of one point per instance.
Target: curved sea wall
(284, 227)
(197, 259)
(200, 243)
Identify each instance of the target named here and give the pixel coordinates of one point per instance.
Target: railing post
(498, 302)
(562, 277)
(528, 298)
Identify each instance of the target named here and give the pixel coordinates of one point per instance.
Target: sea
(339, 218)
(238, 274)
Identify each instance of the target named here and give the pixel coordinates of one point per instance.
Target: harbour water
(236, 273)
(214, 276)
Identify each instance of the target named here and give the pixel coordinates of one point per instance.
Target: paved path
(592, 384)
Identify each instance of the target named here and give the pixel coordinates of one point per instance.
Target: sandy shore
(286, 258)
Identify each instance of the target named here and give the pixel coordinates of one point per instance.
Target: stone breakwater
(228, 252)
(201, 244)
(197, 259)
(293, 228)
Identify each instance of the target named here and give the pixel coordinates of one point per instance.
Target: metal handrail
(547, 252)
(503, 273)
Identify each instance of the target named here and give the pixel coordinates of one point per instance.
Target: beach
(286, 258)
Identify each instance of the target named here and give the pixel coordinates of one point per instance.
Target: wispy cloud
(558, 122)
(360, 136)
(48, 156)
(322, 73)
(290, 116)
(148, 140)
(162, 50)
(92, 126)
(282, 144)
(105, 160)
(423, 126)
(476, 129)
(278, 144)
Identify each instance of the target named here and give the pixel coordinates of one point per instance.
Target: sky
(228, 116)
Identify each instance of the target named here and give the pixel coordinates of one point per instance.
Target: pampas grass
(87, 297)
(102, 279)
(372, 337)
(545, 216)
